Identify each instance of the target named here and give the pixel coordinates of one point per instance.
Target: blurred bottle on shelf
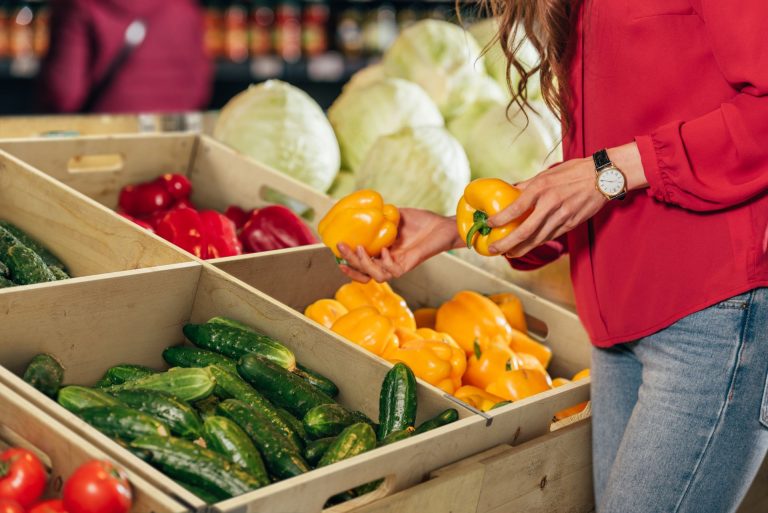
(236, 32)
(286, 34)
(5, 20)
(379, 29)
(22, 32)
(260, 28)
(214, 29)
(314, 28)
(349, 31)
(41, 28)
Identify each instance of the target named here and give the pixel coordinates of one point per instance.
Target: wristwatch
(610, 181)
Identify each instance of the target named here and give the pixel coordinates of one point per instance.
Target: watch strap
(601, 159)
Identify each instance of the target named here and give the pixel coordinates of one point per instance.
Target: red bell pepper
(220, 235)
(147, 198)
(184, 228)
(178, 186)
(274, 227)
(138, 221)
(237, 215)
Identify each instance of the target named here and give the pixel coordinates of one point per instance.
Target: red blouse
(687, 80)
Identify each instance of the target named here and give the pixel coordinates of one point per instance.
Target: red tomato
(97, 487)
(9, 506)
(22, 476)
(51, 506)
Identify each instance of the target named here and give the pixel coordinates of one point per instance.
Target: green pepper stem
(480, 219)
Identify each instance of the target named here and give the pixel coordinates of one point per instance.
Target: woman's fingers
(388, 263)
(546, 232)
(519, 207)
(355, 275)
(370, 267)
(526, 231)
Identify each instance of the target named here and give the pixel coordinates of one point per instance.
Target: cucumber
(207, 407)
(317, 380)
(230, 322)
(6, 283)
(179, 416)
(281, 387)
(75, 398)
(184, 356)
(280, 456)
(49, 258)
(123, 373)
(123, 422)
(58, 273)
(295, 424)
(7, 240)
(315, 450)
(355, 439)
(26, 266)
(330, 420)
(4, 271)
(235, 342)
(201, 494)
(202, 468)
(45, 373)
(397, 401)
(444, 418)
(186, 384)
(396, 436)
(232, 386)
(224, 436)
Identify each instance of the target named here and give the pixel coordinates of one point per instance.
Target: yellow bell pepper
(528, 361)
(367, 328)
(433, 357)
(522, 343)
(477, 398)
(512, 308)
(326, 311)
(488, 362)
(425, 317)
(582, 374)
(381, 297)
(470, 317)
(573, 410)
(516, 385)
(360, 219)
(482, 199)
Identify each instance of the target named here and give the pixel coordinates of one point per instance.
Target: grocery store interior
(251, 260)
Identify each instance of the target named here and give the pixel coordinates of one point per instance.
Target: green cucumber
(207, 407)
(281, 387)
(230, 322)
(186, 384)
(443, 419)
(224, 436)
(4, 271)
(232, 386)
(179, 416)
(76, 398)
(235, 342)
(397, 401)
(355, 439)
(295, 424)
(202, 468)
(317, 380)
(330, 420)
(123, 373)
(123, 422)
(185, 356)
(58, 273)
(45, 373)
(396, 436)
(45, 254)
(201, 494)
(315, 449)
(26, 266)
(280, 456)
(6, 283)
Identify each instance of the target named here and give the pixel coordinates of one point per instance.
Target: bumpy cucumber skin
(443, 419)
(397, 402)
(186, 384)
(207, 407)
(58, 273)
(4, 271)
(317, 380)
(224, 436)
(202, 468)
(45, 254)
(315, 450)
(281, 387)
(123, 373)
(355, 439)
(330, 420)
(184, 356)
(295, 424)
(232, 386)
(396, 436)
(45, 373)
(205, 496)
(280, 457)
(235, 342)
(26, 266)
(178, 415)
(76, 398)
(123, 422)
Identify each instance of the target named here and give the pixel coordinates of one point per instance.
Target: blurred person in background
(126, 56)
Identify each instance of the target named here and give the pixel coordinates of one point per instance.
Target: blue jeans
(680, 418)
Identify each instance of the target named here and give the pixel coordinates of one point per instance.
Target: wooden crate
(94, 124)
(87, 237)
(61, 450)
(131, 317)
(100, 166)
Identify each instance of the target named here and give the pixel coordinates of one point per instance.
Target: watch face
(611, 181)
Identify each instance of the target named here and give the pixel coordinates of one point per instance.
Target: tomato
(22, 476)
(51, 506)
(9, 506)
(97, 487)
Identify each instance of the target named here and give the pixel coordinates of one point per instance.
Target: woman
(670, 280)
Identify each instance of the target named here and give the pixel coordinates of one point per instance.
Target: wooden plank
(36, 126)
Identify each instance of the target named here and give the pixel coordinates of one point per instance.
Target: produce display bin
(94, 124)
(87, 237)
(61, 450)
(220, 176)
(132, 317)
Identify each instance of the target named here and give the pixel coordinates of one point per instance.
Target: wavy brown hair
(548, 25)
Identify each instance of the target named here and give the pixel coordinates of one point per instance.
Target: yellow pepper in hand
(360, 219)
(477, 398)
(489, 361)
(326, 311)
(512, 308)
(516, 385)
(484, 198)
(367, 328)
(470, 317)
(380, 296)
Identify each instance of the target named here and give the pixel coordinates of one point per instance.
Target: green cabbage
(472, 89)
(365, 77)
(280, 126)
(361, 114)
(422, 167)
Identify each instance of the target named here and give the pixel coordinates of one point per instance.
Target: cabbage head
(280, 126)
(422, 167)
(471, 89)
(365, 77)
(362, 114)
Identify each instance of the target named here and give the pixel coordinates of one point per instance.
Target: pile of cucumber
(24, 260)
(234, 413)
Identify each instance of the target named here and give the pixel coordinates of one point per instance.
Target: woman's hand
(421, 235)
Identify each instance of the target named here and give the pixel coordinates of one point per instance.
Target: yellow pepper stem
(481, 225)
